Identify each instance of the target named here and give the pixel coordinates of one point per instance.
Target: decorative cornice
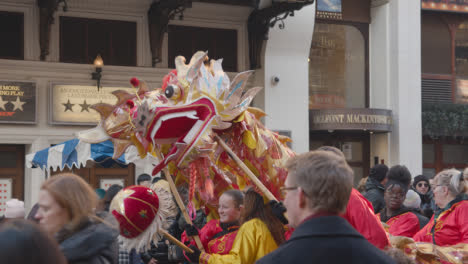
(27, 70)
(115, 6)
(57, 70)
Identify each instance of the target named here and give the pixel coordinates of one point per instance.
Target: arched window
(337, 67)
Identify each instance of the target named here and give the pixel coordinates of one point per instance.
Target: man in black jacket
(375, 186)
(316, 191)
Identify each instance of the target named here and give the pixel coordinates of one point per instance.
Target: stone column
(395, 73)
(287, 98)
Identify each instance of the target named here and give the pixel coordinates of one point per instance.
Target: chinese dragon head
(178, 122)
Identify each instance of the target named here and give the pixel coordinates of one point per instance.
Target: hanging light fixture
(96, 75)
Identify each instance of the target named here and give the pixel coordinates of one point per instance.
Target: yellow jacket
(252, 242)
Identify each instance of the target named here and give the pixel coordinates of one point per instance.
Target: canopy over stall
(77, 153)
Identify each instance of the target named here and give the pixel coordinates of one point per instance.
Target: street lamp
(96, 75)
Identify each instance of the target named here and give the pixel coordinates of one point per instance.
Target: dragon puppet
(178, 122)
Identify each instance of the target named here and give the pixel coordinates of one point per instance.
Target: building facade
(444, 28)
(346, 74)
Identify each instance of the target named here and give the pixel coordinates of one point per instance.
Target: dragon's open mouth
(180, 126)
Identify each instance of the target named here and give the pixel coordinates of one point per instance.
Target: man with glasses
(317, 191)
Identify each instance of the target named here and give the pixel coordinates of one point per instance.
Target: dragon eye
(172, 92)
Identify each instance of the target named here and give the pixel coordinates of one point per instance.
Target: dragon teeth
(193, 131)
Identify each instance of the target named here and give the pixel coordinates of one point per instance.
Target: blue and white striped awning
(76, 153)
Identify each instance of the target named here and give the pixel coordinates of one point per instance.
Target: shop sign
(379, 120)
(462, 92)
(17, 102)
(71, 104)
(318, 101)
(445, 5)
(329, 9)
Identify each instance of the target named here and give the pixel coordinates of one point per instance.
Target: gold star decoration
(143, 213)
(2, 103)
(84, 106)
(68, 106)
(18, 104)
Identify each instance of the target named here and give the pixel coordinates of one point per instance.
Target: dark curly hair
(398, 175)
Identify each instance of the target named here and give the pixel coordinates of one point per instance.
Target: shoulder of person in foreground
(360, 214)
(298, 251)
(332, 243)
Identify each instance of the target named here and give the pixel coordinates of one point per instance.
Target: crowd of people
(321, 219)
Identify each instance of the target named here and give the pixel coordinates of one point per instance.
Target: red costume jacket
(360, 214)
(450, 226)
(212, 238)
(404, 224)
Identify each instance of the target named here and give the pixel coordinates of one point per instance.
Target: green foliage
(445, 120)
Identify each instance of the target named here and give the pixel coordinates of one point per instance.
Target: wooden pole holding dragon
(182, 208)
(249, 173)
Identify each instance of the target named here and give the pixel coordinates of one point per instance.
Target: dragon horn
(237, 87)
(195, 63)
(237, 109)
(143, 88)
(257, 112)
(93, 135)
(103, 109)
(122, 96)
(120, 145)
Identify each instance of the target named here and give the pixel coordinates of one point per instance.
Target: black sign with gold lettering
(379, 120)
(17, 102)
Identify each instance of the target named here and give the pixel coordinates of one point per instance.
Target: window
(11, 30)
(461, 50)
(461, 64)
(82, 39)
(337, 67)
(443, 154)
(220, 43)
(436, 50)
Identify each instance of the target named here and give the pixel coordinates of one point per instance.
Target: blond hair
(74, 195)
(453, 179)
(325, 177)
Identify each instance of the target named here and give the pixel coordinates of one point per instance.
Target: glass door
(354, 145)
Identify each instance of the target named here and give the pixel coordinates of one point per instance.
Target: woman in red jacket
(448, 226)
(218, 235)
(401, 221)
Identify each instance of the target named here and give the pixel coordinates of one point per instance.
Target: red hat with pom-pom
(135, 208)
(141, 213)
